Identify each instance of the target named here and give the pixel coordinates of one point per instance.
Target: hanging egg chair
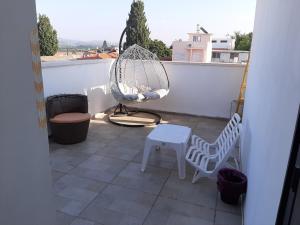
(136, 76)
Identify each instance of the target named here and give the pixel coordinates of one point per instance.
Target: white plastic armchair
(208, 158)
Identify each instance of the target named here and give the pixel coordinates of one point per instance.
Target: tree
(159, 48)
(104, 45)
(243, 41)
(137, 30)
(47, 36)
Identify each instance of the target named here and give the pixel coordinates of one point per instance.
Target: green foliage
(137, 32)
(159, 48)
(104, 45)
(47, 37)
(243, 41)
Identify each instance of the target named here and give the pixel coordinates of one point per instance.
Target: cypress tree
(47, 37)
(137, 32)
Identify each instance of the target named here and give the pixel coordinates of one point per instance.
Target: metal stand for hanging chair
(121, 110)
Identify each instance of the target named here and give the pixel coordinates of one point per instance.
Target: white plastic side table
(172, 137)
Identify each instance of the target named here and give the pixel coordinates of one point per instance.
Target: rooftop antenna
(204, 31)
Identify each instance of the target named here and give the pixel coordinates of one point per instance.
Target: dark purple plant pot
(231, 184)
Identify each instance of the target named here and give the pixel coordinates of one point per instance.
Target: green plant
(243, 41)
(159, 48)
(47, 36)
(137, 30)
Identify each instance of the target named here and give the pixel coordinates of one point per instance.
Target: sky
(88, 20)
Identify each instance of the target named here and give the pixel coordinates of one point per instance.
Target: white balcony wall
(203, 89)
(90, 77)
(195, 88)
(271, 106)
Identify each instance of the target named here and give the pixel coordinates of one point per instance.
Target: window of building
(216, 55)
(214, 41)
(196, 39)
(223, 41)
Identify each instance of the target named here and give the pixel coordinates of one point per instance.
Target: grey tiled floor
(99, 182)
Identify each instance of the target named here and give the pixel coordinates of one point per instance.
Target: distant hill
(68, 43)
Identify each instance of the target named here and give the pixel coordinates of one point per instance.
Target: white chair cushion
(151, 95)
(127, 90)
(131, 97)
(161, 92)
(155, 94)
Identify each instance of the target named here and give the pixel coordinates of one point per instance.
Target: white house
(202, 47)
(223, 51)
(197, 48)
(226, 43)
(229, 56)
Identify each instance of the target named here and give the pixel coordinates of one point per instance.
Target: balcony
(99, 181)
(269, 138)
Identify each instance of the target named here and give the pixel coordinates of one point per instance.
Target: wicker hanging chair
(138, 76)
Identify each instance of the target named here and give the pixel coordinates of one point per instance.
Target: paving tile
(190, 170)
(63, 219)
(78, 194)
(235, 209)
(128, 201)
(64, 160)
(62, 165)
(105, 133)
(70, 180)
(56, 175)
(177, 219)
(60, 202)
(120, 150)
(97, 212)
(69, 206)
(73, 200)
(174, 212)
(82, 222)
(134, 141)
(161, 158)
(205, 122)
(139, 133)
(74, 208)
(224, 218)
(203, 193)
(189, 121)
(100, 168)
(119, 205)
(88, 147)
(208, 134)
(150, 181)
